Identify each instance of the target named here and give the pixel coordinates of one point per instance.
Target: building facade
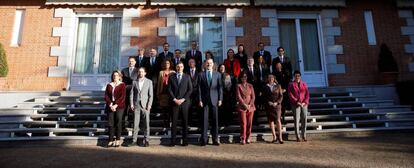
(75, 44)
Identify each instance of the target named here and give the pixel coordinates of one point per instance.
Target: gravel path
(375, 151)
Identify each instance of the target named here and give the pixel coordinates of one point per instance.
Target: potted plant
(4, 69)
(387, 66)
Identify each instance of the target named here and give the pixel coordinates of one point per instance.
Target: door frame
(297, 16)
(96, 14)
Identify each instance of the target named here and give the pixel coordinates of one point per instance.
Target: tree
(386, 62)
(4, 69)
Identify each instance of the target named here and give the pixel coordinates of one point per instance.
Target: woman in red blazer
(115, 104)
(232, 64)
(246, 108)
(299, 99)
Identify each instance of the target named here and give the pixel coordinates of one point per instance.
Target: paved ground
(374, 151)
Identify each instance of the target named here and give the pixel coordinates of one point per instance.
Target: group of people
(177, 86)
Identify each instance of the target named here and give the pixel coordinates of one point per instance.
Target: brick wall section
(28, 64)
(252, 24)
(148, 24)
(360, 58)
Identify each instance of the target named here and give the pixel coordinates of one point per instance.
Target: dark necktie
(209, 77)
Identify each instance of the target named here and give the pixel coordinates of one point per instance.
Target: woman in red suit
(246, 108)
(115, 104)
(232, 64)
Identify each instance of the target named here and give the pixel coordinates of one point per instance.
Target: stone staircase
(80, 116)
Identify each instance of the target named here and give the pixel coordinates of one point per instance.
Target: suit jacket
(143, 63)
(127, 78)
(194, 81)
(298, 94)
(286, 65)
(263, 75)
(180, 90)
(236, 67)
(272, 96)
(252, 78)
(266, 55)
(153, 70)
(210, 92)
(282, 78)
(242, 60)
(198, 58)
(169, 55)
(174, 63)
(119, 95)
(245, 96)
(142, 98)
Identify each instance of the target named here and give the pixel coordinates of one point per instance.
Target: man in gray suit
(210, 95)
(141, 101)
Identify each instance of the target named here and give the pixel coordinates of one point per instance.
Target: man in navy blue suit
(210, 95)
(194, 54)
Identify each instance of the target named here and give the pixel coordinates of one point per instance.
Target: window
(97, 45)
(369, 24)
(205, 29)
(16, 39)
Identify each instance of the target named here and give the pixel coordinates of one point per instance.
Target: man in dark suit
(284, 60)
(141, 59)
(180, 88)
(129, 74)
(154, 66)
(266, 55)
(166, 54)
(177, 58)
(194, 108)
(210, 96)
(195, 54)
(252, 71)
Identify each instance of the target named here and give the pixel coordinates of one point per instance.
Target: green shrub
(4, 69)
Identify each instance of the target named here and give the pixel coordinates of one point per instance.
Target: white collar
(113, 84)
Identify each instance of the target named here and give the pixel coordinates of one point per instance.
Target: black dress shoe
(172, 144)
(185, 143)
(146, 143)
(216, 143)
(203, 144)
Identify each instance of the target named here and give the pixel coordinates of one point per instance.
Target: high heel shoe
(117, 143)
(280, 140)
(110, 144)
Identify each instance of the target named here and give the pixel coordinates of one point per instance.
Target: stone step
(194, 138)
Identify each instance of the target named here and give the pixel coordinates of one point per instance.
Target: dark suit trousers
(128, 110)
(210, 108)
(177, 110)
(115, 123)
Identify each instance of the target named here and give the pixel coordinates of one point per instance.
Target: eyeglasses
(281, 50)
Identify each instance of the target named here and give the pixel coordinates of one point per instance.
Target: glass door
(96, 53)
(301, 39)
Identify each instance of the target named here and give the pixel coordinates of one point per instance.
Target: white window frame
(369, 25)
(181, 14)
(99, 15)
(18, 25)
